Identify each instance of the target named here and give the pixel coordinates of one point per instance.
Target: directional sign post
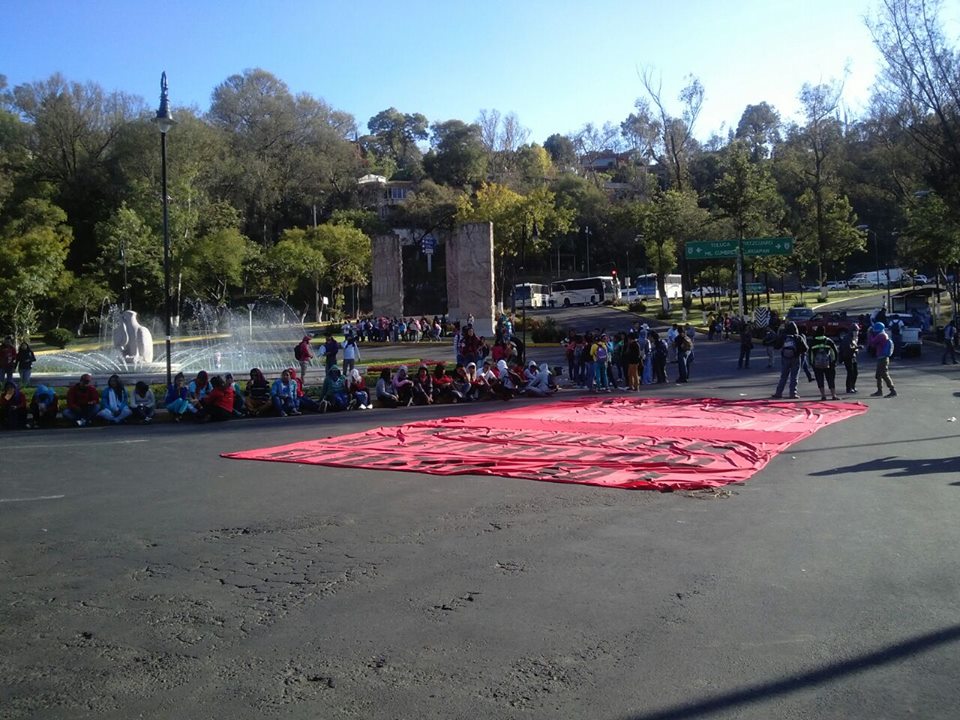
(711, 249)
(764, 247)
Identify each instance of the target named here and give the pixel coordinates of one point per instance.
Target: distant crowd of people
(597, 361)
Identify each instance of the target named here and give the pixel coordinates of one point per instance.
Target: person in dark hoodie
(13, 407)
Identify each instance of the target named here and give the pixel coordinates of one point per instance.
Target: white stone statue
(132, 339)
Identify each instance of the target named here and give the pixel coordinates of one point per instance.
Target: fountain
(261, 334)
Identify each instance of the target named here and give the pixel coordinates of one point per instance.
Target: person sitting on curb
(83, 401)
(257, 401)
(143, 404)
(238, 400)
(357, 390)
(177, 400)
(13, 407)
(283, 395)
(334, 395)
(304, 401)
(115, 402)
(422, 387)
(403, 386)
(43, 407)
(385, 393)
(218, 403)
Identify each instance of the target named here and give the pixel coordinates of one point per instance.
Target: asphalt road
(145, 576)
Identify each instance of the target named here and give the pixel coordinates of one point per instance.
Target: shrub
(638, 306)
(59, 337)
(545, 332)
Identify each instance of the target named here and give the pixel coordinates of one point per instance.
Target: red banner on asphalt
(660, 444)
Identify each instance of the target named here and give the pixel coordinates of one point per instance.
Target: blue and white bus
(585, 291)
(531, 295)
(647, 286)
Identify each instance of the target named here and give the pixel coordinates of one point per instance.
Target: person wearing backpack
(600, 354)
(303, 355)
(792, 346)
(822, 355)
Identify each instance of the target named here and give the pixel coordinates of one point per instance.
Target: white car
(920, 279)
(837, 285)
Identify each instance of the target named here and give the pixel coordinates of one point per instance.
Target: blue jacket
(122, 401)
(278, 389)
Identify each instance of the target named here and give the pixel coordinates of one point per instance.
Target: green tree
(124, 239)
(667, 222)
(457, 156)
(215, 263)
(33, 250)
(394, 142)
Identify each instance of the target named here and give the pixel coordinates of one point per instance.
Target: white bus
(647, 286)
(531, 295)
(585, 291)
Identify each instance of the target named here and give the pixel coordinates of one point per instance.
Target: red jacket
(78, 396)
(221, 397)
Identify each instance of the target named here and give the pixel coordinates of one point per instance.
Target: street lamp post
(586, 234)
(876, 249)
(165, 121)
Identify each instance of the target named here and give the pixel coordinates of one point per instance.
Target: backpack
(685, 343)
(298, 352)
(601, 353)
(789, 350)
(821, 358)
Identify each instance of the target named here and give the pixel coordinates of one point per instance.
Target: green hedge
(59, 337)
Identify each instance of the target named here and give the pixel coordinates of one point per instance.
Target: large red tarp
(658, 444)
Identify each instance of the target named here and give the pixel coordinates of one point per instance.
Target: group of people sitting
(221, 397)
(467, 383)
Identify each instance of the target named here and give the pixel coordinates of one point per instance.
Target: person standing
(25, 361)
(950, 342)
(351, 355)
(684, 346)
(792, 346)
(8, 359)
(882, 346)
(746, 345)
(330, 349)
(848, 350)
(631, 355)
(303, 355)
(822, 355)
(659, 353)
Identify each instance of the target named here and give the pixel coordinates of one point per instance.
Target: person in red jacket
(218, 403)
(83, 401)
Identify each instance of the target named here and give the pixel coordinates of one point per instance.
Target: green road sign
(711, 249)
(727, 249)
(754, 288)
(762, 247)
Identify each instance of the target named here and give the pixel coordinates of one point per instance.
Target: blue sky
(557, 64)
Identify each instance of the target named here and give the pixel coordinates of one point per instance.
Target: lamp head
(164, 119)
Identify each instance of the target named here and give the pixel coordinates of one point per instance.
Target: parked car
(834, 323)
(799, 315)
(921, 279)
(837, 285)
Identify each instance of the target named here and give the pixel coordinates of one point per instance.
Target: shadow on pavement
(898, 467)
(829, 673)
